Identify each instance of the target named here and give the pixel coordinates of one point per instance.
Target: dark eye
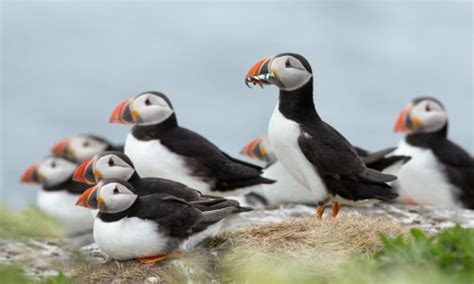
(147, 102)
(53, 164)
(86, 144)
(116, 190)
(287, 63)
(427, 108)
(111, 162)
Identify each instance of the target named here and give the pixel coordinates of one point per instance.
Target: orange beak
(255, 149)
(31, 175)
(122, 114)
(400, 122)
(82, 200)
(405, 122)
(260, 73)
(60, 149)
(85, 173)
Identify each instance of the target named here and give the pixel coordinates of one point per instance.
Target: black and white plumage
(440, 172)
(129, 226)
(314, 153)
(58, 193)
(160, 148)
(83, 147)
(117, 165)
(287, 190)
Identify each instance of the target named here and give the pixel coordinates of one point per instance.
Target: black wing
(209, 161)
(337, 162)
(171, 213)
(459, 166)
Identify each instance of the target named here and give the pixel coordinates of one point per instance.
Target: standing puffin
(117, 165)
(440, 172)
(59, 193)
(149, 228)
(82, 147)
(160, 148)
(313, 152)
(287, 190)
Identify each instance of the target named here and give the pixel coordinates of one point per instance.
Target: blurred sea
(65, 65)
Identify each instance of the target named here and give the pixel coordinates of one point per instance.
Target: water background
(65, 65)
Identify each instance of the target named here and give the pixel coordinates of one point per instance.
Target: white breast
(283, 135)
(152, 159)
(61, 205)
(286, 189)
(130, 238)
(422, 180)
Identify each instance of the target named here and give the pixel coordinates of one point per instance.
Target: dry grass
(302, 243)
(327, 243)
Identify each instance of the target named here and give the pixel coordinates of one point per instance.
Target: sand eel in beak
(58, 193)
(149, 228)
(287, 190)
(313, 152)
(117, 165)
(82, 147)
(440, 173)
(159, 147)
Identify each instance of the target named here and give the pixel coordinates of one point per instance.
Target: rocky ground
(42, 258)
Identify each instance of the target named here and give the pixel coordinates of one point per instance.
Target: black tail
(233, 184)
(384, 163)
(353, 190)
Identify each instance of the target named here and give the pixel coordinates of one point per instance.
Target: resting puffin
(149, 228)
(82, 147)
(160, 148)
(279, 192)
(59, 193)
(312, 151)
(117, 165)
(440, 173)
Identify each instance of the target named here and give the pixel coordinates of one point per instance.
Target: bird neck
(150, 132)
(427, 139)
(134, 177)
(298, 105)
(112, 217)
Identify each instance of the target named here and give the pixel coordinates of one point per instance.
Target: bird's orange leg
(335, 209)
(158, 258)
(320, 211)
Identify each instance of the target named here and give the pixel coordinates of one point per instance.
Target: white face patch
(116, 197)
(86, 147)
(111, 166)
(151, 109)
(290, 72)
(55, 170)
(431, 115)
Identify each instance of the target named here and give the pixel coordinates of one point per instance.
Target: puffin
(149, 228)
(312, 151)
(58, 193)
(82, 147)
(440, 172)
(260, 149)
(117, 165)
(159, 147)
(279, 193)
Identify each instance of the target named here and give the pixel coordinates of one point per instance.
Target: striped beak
(405, 123)
(31, 174)
(88, 198)
(123, 114)
(256, 149)
(261, 74)
(63, 149)
(85, 172)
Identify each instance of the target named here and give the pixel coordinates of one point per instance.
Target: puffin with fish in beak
(312, 151)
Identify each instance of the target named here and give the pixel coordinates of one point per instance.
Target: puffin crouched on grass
(149, 228)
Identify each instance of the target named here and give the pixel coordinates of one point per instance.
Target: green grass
(30, 222)
(447, 257)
